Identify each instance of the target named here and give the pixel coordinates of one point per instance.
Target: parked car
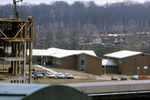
(50, 75)
(135, 77)
(114, 78)
(39, 75)
(27, 73)
(44, 73)
(144, 77)
(123, 78)
(69, 76)
(33, 72)
(60, 75)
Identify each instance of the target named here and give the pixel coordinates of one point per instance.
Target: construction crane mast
(15, 7)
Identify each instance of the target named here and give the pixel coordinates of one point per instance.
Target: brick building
(131, 62)
(81, 60)
(109, 66)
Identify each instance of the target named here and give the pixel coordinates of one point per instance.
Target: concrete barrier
(109, 87)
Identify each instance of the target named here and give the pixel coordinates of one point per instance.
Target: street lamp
(44, 64)
(145, 67)
(138, 71)
(105, 69)
(44, 68)
(41, 60)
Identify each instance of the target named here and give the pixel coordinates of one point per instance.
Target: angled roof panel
(123, 54)
(109, 62)
(61, 53)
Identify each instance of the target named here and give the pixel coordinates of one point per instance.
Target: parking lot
(79, 77)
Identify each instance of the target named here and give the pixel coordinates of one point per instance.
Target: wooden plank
(29, 58)
(25, 30)
(11, 20)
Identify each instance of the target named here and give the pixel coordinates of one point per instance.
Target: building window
(34, 59)
(56, 60)
(107, 67)
(82, 62)
(38, 59)
(53, 60)
(59, 61)
(142, 54)
(82, 67)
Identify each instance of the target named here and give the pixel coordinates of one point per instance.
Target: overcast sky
(69, 1)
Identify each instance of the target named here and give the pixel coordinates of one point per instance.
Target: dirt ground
(79, 77)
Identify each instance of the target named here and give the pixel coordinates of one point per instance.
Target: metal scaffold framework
(16, 36)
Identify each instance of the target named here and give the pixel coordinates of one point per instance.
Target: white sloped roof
(39, 52)
(60, 53)
(122, 54)
(109, 62)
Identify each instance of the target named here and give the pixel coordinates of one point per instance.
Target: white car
(50, 75)
(60, 75)
(69, 76)
(135, 77)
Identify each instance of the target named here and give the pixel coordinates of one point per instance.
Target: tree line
(59, 20)
(108, 17)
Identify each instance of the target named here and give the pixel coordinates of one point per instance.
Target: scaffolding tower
(16, 37)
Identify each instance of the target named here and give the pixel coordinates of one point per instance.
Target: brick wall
(78, 62)
(93, 65)
(129, 65)
(112, 69)
(68, 63)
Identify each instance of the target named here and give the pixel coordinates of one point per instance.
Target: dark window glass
(82, 62)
